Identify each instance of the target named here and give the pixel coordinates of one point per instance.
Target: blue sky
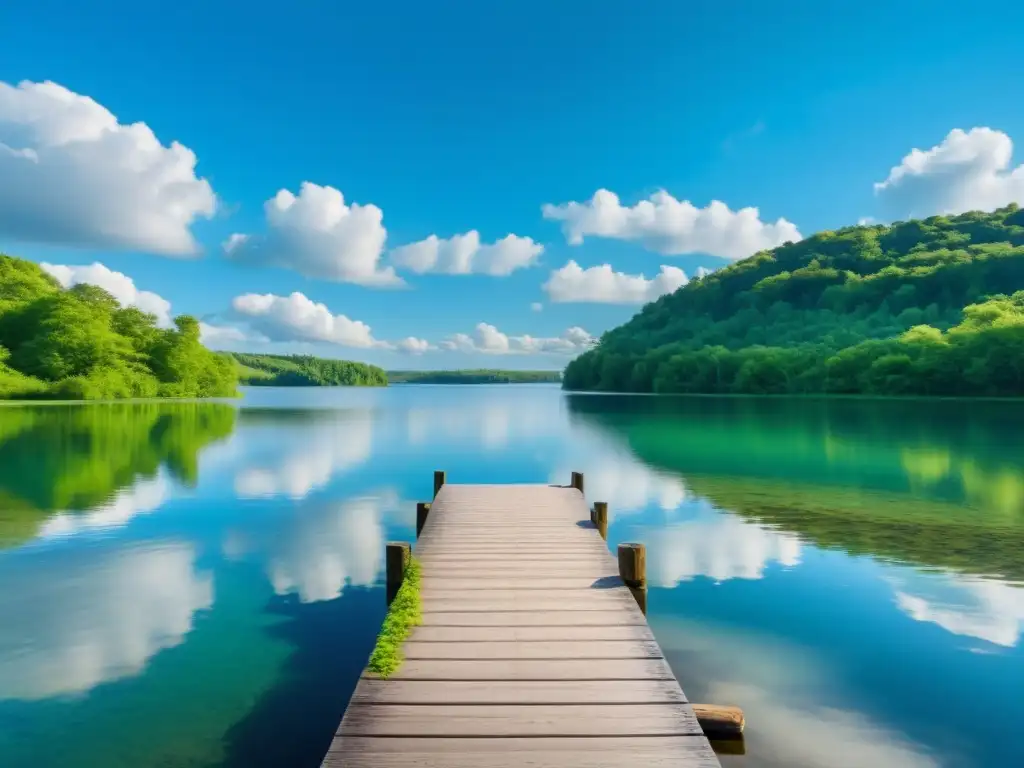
(454, 117)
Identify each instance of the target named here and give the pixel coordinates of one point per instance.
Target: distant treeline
(306, 371)
(481, 376)
(932, 307)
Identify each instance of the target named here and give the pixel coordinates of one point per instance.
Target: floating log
(720, 722)
(439, 479)
(396, 561)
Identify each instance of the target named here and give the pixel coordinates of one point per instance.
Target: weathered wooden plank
(570, 634)
(584, 752)
(522, 582)
(517, 692)
(539, 603)
(534, 669)
(591, 598)
(517, 556)
(534, 618)
(495, 544)
(465, 569)
(609, 752)
(436, 720)
(516, 649)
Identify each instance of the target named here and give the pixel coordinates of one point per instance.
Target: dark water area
(199, 584)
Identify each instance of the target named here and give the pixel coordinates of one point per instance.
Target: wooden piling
(599, 517)
(398, 555)
(577, 482)
(439, 479)
(422, 510)
(633, 571)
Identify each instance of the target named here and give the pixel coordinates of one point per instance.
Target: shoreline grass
(404, 614)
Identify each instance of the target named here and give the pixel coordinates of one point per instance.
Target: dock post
(599, 517)
(398, 556)
(439, 478)
(422, 510)
(633, 571)
(577, 481)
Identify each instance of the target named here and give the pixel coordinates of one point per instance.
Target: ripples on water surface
(200, 584)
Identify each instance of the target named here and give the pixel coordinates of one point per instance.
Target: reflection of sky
(838, 661)
(716, 546)
(145, 496)
(74, 619)
(787, 692)
(316, 550)
(984, 609)
(299, 459)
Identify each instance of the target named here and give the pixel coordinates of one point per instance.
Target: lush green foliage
(306, 371)
(483, 376)
(933, 307)
(80, 344)
(70, 458)
(404, 613)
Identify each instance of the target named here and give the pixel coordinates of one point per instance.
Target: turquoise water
(200, 584)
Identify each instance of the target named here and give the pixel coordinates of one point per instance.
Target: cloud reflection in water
(90, 616)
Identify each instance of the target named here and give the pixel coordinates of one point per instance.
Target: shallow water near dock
(199, 584)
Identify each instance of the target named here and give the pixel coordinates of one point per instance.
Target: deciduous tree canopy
(80, 344)
(932, 307)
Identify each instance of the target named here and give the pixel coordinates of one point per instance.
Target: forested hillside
(932, 307)
(306, 371)
(80, 344)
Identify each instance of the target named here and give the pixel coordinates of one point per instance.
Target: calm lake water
(200, 584)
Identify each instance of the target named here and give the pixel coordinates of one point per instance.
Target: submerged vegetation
(404, 613)
(306, 371)
(932, 307)
(476, 376)
(80, 344)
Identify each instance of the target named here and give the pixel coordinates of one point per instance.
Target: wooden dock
(532, 653)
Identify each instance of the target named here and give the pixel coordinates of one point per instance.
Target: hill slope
(80, 344)
(931, 307)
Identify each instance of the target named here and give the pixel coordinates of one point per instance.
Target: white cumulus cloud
(70, 173)
(299, 318)
(536, 307)
(413, 346)
(465, 254)
(969, 170)
(669, 226)
(601, 285)
(318, 235)
(488, 339)
(225, 336)
(117, 284)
